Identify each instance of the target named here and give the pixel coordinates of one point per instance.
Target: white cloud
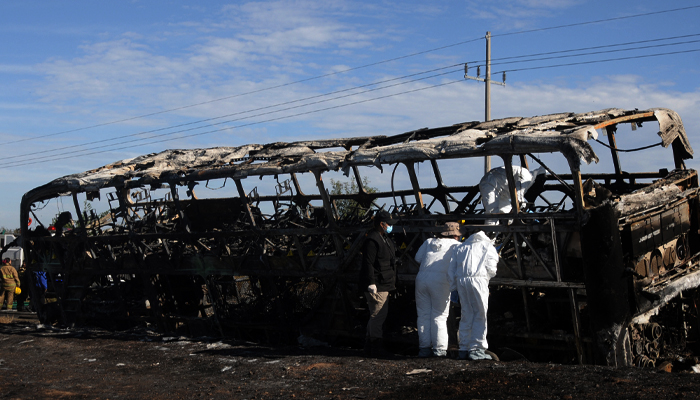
(258, 37)
(547, 4)
(508, 15)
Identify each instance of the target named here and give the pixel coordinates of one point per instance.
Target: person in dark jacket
(41, 286)
(38, 298)
(378, 278)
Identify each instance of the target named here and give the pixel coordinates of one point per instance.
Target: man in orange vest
(10, 280)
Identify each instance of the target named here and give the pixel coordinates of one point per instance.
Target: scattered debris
(665, 366)
(306, 341)
(218, 345)
(419, 371)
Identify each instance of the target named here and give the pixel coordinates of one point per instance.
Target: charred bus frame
(589, 279)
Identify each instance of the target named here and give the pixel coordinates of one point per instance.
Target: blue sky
(82, 81)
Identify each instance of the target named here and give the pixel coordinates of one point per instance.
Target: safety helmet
(18, 290)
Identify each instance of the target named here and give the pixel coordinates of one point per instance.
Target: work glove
(454, 296)
(372, 289)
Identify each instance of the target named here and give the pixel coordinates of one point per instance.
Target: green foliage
(350, 209)
(87, 215)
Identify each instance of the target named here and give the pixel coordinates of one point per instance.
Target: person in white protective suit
(494, 189)
(473, 264)
(433, 291)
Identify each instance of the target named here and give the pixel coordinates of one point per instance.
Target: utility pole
(487, 94)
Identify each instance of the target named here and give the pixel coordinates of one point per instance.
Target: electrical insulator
(466, 68)
(478, 71)
(504, 76)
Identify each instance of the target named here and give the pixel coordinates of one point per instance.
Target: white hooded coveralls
(433, 292)
(473, 264)
(494, 189)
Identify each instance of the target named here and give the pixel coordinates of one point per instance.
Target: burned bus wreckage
(595, 267)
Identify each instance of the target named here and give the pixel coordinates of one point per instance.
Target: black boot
(378, 350)
(367, 351)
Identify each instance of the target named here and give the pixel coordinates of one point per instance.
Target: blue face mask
(389, 228)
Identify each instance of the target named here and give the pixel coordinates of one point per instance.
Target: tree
(349, 209)
(68, 222)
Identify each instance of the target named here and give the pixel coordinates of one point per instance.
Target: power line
(598, 52)
(317, 102)
(593, 47)
(251, 110)
(376, 83)
(599, 61)
(597, 21)
(261, 114)
(335, 107)
(351, 69)
(246, 125)
(481, 61)
(245, 93)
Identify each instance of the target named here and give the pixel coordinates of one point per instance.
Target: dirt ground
(39, 362)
